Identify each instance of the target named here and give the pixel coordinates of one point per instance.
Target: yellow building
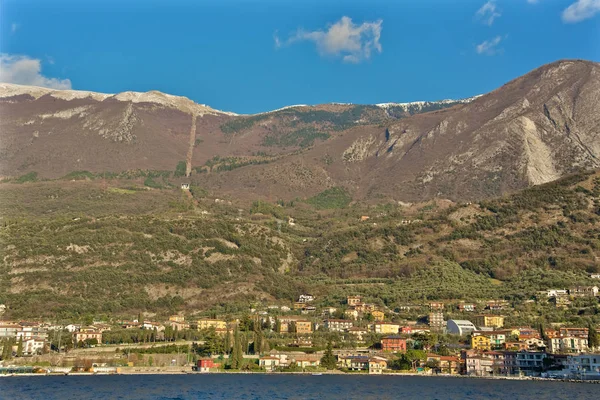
(489, 321)
(481, 343)
(211, 323)
(385, 328)
(303, 326)
(177, 318)
(378, 315)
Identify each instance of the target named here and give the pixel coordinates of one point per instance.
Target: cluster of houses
(486, 345)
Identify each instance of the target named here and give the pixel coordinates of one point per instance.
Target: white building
(306, 298)
(557, 293)
(338, 325)
(33, 346)
(460, 327)
(567, 344)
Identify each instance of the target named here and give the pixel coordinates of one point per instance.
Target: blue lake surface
(240, 386)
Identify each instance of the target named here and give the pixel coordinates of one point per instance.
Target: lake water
(240, 386)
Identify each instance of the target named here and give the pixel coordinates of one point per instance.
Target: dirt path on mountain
(188, 161)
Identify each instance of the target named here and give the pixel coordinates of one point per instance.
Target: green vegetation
(180, 169)
(163, 251)
(303, 137)
(293, 117)
(335, 197)
(29, 177)
(75, 175)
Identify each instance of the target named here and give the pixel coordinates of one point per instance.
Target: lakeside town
(352, 337)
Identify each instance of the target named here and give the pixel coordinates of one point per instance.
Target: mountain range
(535, 129)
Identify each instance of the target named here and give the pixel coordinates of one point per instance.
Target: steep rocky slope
(532, 130)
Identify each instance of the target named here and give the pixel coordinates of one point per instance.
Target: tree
(237, 355)
(258, 341)
(20, 347)
(543, 332)
(328, 360)
(593, 339)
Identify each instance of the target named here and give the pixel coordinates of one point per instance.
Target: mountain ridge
(532, 130)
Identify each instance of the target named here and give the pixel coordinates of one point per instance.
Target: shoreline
(323, 373)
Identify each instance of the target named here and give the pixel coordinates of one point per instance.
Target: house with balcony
(338, 325)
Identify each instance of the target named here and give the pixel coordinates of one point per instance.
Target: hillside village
(354, 336)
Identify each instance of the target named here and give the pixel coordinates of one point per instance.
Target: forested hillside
(117, 246)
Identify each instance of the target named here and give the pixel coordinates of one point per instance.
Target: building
(378, 315)
(153, 325)
(338, 325)
(31, 330)
(436, 306)
(210, 323)
(518, 362)
(303, 327)
(496, 305)
(354, 363)
(436, 321)
(180, 326)
(358, 333)
(581, 364)
(595, 276)
(460, 327)
(584, 291)
(377, 365)
(269, 363)
(84, 334)
(385, 328)
(33, 346)
(351, 314)
(205, 364)
(567, 344)
(489, 321)
(575, 332)
(481, 342)
(306, 360)
(353, 300)
(467, 307)
(556, 293)
(177, 318)
(484, 363)
(185, 186)
(328, 312)
(306, 298)
(8, 331)
(445, 364)
(393, 343)
(497, 338)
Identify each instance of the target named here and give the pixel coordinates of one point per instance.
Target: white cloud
(24, 70)
(580, 10)
(13, 28)
(488, 13)
(489, 47)
(353, 43)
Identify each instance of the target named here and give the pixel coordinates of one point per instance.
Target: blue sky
(253, 56)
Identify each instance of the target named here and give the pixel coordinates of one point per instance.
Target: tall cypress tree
(237, 356)
(20, 347)
(328, 360)
(593, 339)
